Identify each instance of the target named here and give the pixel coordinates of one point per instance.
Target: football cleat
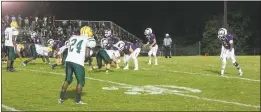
(136, 69)
(125, 68)
(23, 64)
(60, 101)
(241, 73)
(81, 103)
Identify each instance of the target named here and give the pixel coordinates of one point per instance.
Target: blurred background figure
(167, 45)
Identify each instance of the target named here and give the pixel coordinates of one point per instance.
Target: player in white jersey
(10, 43)
(42, 50)
(79, 48)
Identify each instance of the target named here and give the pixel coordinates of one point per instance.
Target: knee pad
(69, 80)
(235, 64)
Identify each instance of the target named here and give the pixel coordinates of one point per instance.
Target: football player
(43, 51)
(131, 51)
(62, 51)
(56, 45)
(153, 45)
(227, 50)
(19, 48)
(77, 51)
(102, 55)
(113, 51)
(36, 40)
(10, 43)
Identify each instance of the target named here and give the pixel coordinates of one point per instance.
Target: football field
(182, 83)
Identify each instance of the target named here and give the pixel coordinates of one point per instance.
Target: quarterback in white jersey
(79, 48)
(10, 44)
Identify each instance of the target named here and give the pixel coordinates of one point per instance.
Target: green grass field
(180, 83)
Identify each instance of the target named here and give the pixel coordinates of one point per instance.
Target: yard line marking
(9, 108)
(228, 77)
(180, 94)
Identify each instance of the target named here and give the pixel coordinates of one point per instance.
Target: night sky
(176, 18)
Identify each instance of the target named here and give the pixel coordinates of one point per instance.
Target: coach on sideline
(167, 45)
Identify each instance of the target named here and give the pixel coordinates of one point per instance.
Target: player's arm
(131, 50)
(18, 52)
(87, 52)
(14, 43)
(147, 44)
(231, 45)
(154, 42)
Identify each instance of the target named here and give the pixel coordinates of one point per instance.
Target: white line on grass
(180, 94)
(228, 77)
(9, 108)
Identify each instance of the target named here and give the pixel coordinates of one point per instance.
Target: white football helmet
(33, 34)
(167, 35)
(67, 43)
(222, 32)
(148, 31)
(50, 42)
(107, 33)
(104, 42)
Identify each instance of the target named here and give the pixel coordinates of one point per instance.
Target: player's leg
(80, 77)
(13, 57)
(233, 59)
(18, 52)
(126, 61)
(223, 66)
(64, 56)
(154, 53)
(107, 60)
(99, 59)
(166, 51)
(134, 57)
(149, 54)
(169, 50)
(223, 56)
(10, 57)
(33, 53)
(67, 82)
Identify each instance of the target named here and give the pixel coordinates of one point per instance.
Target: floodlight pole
(225, 15)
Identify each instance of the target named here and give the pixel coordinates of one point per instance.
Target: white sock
(156, 60)
(136, 63)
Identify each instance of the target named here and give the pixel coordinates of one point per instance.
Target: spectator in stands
(19, 19)
(167, 45)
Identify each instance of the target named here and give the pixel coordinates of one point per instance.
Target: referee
(167, 45)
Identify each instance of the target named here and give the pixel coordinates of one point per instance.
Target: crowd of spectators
(47, 27)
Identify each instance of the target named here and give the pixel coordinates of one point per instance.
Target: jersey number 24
(78, 45)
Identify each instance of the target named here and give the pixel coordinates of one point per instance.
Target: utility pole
(225, 15)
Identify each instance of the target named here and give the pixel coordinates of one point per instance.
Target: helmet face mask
(222, 32)
(107, 33)
(50, 42)
(148, 31)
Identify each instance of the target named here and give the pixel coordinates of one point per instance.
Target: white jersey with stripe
(76, 49)
(9, 33)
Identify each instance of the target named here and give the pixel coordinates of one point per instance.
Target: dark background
(180, 19)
